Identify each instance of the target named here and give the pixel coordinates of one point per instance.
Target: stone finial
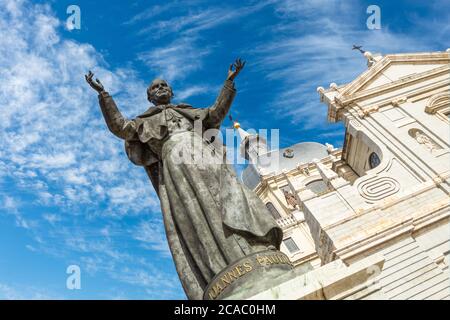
(305, 171)
(330, 147)
(370, 59)
(320, 89)
(333, 86)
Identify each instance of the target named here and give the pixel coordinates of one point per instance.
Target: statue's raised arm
(222, 237)
(95, 84)
(220, 108)
(238, 66)
(117, 124)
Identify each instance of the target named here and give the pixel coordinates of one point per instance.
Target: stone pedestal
(335, 280)
(253, 273)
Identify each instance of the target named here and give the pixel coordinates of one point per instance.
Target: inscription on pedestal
(242, 270)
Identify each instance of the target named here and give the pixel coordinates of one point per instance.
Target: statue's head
(159, 92)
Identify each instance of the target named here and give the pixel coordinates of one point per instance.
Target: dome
(284, 159)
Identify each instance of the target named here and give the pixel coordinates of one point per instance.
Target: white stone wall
(399, 210)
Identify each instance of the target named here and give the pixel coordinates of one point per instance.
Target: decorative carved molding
(364, 112)
(372, 73)
(424, 140)
(378, 188)
(439, 105)
(354, 91)
(397, 102)
(305, 171)
(437, 101)
(438, 180)
(370, 110)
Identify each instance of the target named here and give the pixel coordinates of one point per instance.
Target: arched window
(291, 245)
(273, 211)
(374, 160)
(439, 105)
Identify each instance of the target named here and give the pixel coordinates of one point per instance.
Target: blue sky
(68, 194)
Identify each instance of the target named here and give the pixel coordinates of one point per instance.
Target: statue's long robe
(211, 218)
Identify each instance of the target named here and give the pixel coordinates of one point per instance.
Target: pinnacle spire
(252, 145)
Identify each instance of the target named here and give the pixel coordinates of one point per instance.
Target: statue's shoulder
(191, 112)
(156, 109)
(150, 111)
(184, 106)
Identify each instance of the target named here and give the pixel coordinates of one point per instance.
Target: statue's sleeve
(218, 111)
(116, 122)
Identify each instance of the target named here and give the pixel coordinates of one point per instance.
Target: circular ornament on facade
(374, 160)
(378, 188)
(288, 153)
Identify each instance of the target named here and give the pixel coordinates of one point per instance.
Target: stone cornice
(344, 99)
(396, 102)
(366, 77)
(339, 98)
(434, 213)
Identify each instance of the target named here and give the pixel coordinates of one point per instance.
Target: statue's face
(159, 92)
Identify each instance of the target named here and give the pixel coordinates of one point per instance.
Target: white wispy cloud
(11, 292)
(197, 19)
(154, 285)
(56, 151)
(8, 293)
(312, 46)
(194, 91)
(50, 124)
(152, 235)
(51, 217)
(179, 56)
(176, 60)
(152, 12)
(12, 207)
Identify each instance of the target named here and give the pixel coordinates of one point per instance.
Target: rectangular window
(291, 245)
(274, 212)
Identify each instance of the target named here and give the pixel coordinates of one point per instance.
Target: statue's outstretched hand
(95, 84)
(238, 66)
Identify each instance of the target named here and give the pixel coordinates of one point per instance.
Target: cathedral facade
(370, 220)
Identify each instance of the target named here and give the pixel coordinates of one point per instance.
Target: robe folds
(211, 219)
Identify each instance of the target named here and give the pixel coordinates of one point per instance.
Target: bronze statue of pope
(211, 219)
